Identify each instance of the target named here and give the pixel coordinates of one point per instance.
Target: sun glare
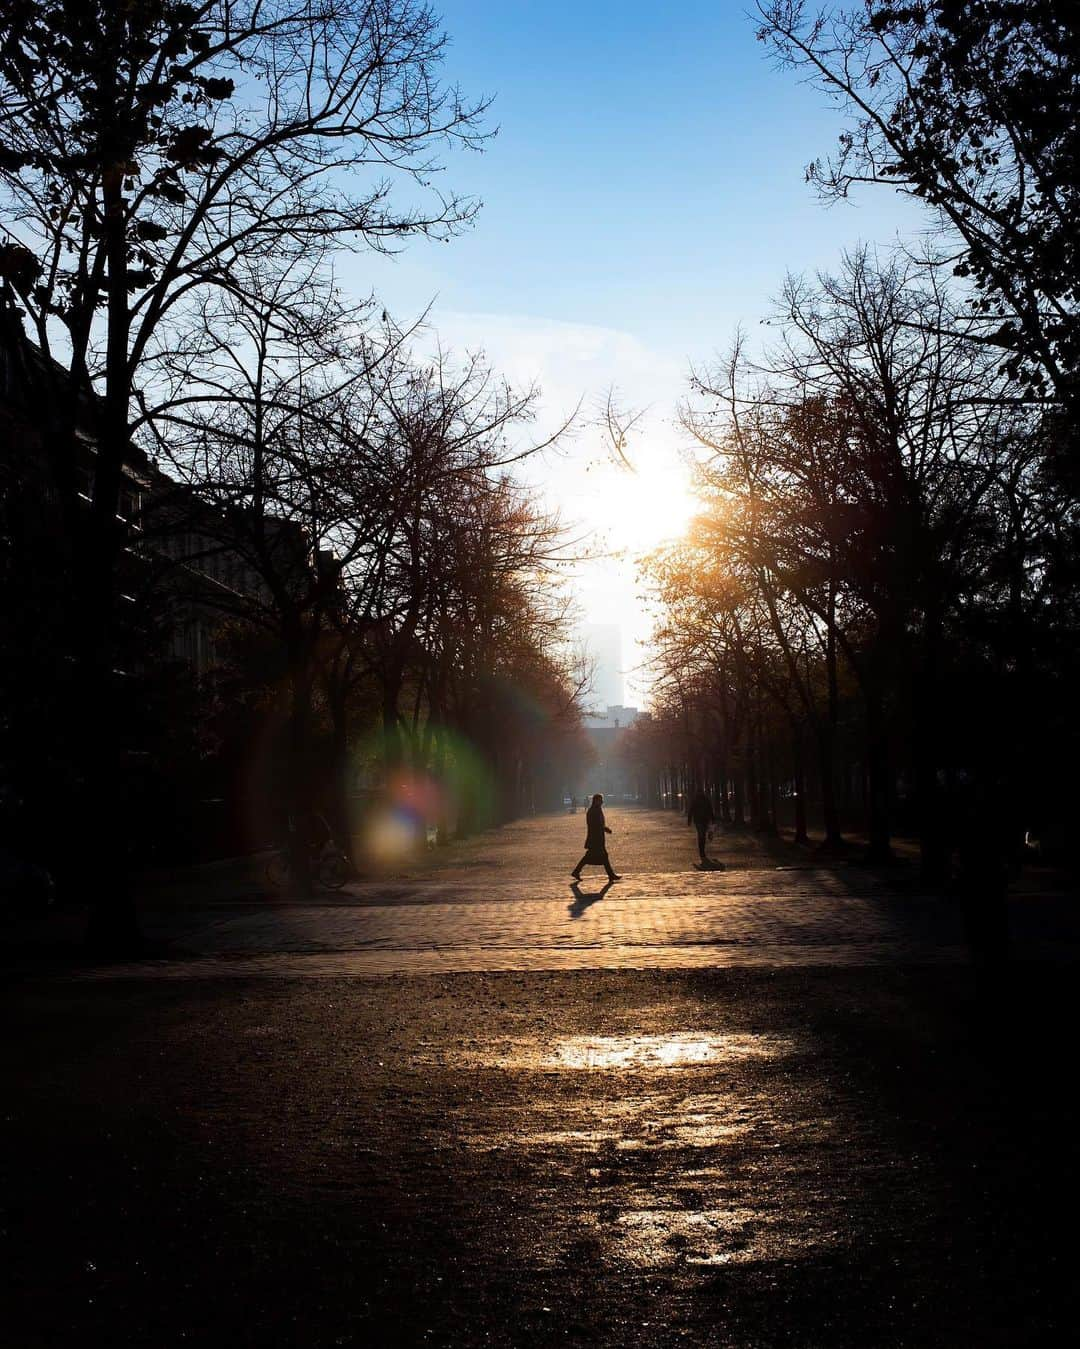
(647, 508)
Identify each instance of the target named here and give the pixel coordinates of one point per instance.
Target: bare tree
(149, 149)
(972, 109)
(852, 471)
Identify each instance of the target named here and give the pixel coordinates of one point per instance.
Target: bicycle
(329, 866)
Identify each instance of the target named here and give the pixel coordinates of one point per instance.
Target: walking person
(596, 854)
(701, 815)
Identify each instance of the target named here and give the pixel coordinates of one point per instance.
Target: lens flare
(416, 806)
(389, 835)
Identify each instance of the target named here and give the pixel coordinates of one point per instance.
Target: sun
(648, 507)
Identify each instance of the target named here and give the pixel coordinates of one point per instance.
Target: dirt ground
(737, 1158)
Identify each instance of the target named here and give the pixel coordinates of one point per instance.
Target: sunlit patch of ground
(677, 1149)
(619, 1053)
(654, 1237)
(822, 1159)
(642, 1121)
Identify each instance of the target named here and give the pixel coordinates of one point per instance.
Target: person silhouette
(596, 853)
(701, 815)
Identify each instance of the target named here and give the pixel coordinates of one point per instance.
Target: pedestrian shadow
(583, 898)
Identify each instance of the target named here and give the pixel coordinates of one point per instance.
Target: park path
(757, 1106)
(504, 902)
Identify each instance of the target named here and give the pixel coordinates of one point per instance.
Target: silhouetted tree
(864, 484)
(973, 108)
(443, 595)
(146, 150)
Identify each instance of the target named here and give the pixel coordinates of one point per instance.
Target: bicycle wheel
(333, 871)
(277, 871)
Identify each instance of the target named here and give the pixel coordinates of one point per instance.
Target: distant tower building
(603, 642)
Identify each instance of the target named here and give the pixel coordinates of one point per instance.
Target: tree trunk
(393, 750)
(339, 738)
(827, 734)
(770, 789)
(299, 785)
(738, 780)
(772, 824)
(826, 761)
(113, 926)
(757, 804)
(878, 781)
(933, 849)
(442, 826)
(799, 772)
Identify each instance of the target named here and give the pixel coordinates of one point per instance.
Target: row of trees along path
(879, 597)
(176, 179)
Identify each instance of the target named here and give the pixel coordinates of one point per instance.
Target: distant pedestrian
(596, 854)
(701, 816)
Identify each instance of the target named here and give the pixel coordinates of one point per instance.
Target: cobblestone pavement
(500, 904)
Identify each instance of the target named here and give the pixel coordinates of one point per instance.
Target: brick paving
(504, 902)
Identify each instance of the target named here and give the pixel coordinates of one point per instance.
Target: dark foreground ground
(811, 1157)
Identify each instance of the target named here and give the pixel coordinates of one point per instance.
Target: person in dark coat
(701, 815)
(596, 854)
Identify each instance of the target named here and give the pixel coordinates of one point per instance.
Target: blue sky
(644, 195)
(647, 174)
